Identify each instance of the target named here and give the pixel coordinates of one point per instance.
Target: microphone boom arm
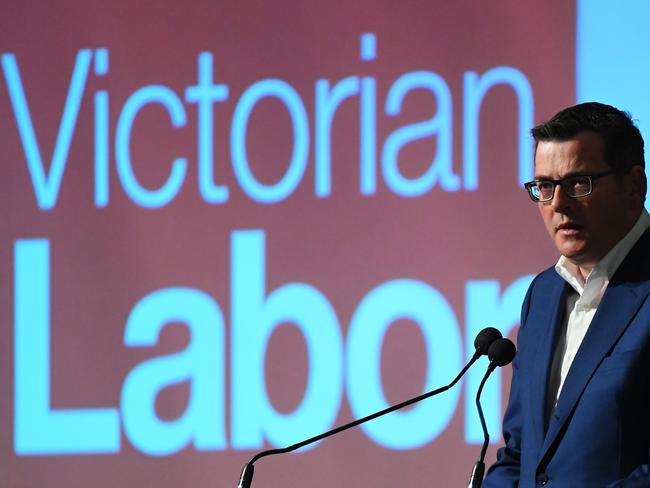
(482, 344)
(365, 419)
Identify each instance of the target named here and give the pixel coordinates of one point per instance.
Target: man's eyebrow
(567, 175)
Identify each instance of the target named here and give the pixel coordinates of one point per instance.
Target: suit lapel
(550, 311)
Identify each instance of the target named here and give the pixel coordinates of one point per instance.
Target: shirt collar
(600, 275)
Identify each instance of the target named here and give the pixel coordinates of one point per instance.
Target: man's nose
(560, 199)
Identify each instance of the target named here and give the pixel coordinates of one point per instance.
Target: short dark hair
(622, 139)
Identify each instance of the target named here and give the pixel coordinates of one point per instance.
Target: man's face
(584, 229)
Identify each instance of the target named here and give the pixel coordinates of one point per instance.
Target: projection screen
(229, 226)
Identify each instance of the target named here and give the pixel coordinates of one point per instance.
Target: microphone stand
(476, 479)
(247, 473)
(501, 352)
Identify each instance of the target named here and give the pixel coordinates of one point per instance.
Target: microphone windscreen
(502, 352)
(485, 338)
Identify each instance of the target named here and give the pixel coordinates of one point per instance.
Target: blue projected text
(335, 362)
(378, 160)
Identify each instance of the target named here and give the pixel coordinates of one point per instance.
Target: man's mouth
(568, 227)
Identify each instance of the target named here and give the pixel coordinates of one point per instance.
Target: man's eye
(544, 185)
(579, 183)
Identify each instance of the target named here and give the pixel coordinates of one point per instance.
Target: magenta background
(105, 260)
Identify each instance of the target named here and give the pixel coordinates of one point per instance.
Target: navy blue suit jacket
(599, 434)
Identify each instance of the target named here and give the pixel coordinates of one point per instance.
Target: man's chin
(574, 251)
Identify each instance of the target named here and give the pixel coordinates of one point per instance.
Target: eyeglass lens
(574, 186)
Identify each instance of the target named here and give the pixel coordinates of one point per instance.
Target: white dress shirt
(581, 305)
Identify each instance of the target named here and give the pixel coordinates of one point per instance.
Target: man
(579, 409)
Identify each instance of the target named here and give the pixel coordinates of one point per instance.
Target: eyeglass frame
(529, 185)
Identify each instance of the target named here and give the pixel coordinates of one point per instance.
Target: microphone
(501, 352)
(482, 345)
(484, 340)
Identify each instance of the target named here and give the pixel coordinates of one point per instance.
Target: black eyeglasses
(575, 186)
